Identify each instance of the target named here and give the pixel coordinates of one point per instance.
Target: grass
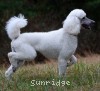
(83, 76)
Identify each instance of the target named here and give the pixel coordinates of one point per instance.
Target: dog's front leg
(73, 60)
(62, 65)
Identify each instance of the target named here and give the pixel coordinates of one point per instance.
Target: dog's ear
(72, 25)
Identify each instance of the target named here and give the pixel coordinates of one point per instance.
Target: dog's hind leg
(12, 69)
(16, 58)
(9, 72)
(25, 52)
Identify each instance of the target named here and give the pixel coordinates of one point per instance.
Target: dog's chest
(72, 42)
(70, 46)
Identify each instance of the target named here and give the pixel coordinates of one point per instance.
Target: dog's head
(84, 21)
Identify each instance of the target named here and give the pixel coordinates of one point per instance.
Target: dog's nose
(92, 23)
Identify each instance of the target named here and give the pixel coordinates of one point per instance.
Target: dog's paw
(8, 75)
(11, 54)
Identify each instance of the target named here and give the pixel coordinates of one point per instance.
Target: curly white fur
(58, 44)
(14, 24)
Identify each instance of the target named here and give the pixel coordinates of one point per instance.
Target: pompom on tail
(14, 25)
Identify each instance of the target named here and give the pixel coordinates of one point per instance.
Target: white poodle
(58, 44)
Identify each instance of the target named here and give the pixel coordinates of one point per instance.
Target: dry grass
(93, 58)
(84, 76)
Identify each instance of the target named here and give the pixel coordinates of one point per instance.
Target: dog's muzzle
(87, 23)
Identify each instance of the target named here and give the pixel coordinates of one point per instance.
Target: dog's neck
(73, 35)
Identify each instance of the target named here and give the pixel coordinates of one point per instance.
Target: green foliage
(47, 15)
(93, 3)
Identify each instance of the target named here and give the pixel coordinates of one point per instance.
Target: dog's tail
(14, 24)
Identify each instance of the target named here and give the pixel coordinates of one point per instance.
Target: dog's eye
(83, 18)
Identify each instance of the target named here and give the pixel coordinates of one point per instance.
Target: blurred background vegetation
(47, 15)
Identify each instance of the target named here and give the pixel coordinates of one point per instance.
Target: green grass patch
(80, 77)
